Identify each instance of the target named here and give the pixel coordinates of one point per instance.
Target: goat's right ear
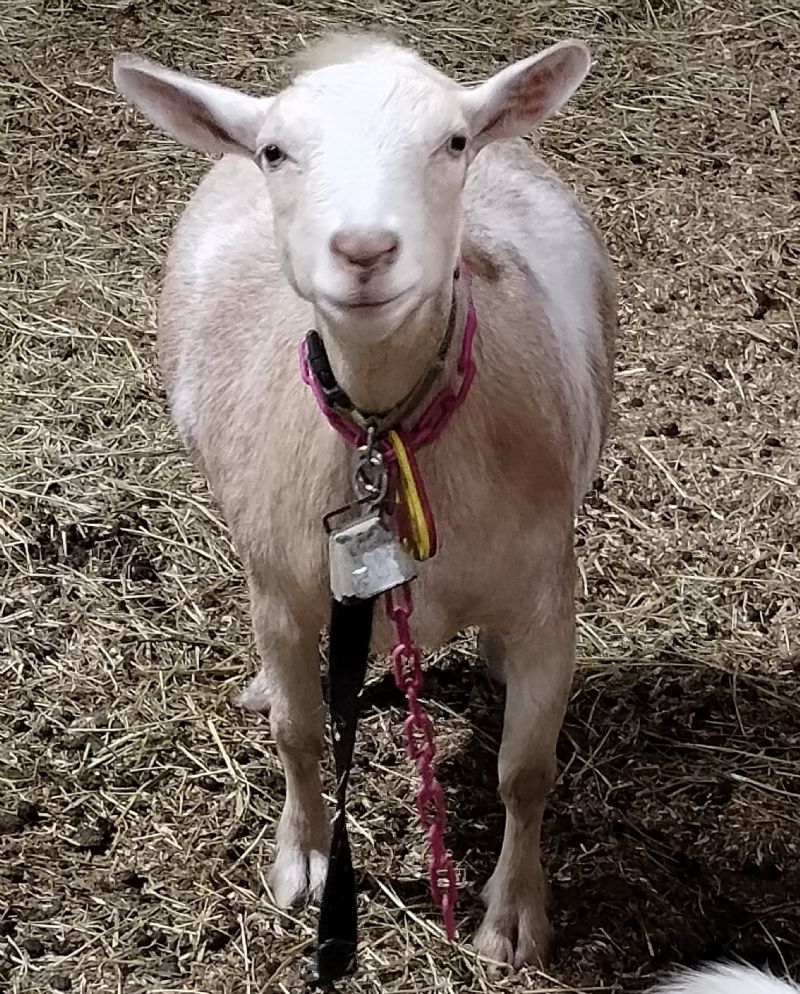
(202, 115)
(520, 97)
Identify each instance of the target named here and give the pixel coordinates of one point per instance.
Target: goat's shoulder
(521, 218)
(230, 195)
(508, 173)
(223, 245)
(514, 194)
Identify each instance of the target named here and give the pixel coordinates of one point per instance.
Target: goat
(345, 203)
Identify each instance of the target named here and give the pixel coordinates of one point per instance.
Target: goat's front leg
(537, 668)
(288, 686)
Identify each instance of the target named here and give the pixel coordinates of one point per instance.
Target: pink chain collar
(406, 657)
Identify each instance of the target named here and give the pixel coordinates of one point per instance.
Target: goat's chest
(500, 532)
(493, 479)
(489, 542)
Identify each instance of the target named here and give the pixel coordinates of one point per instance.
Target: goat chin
(725, 978)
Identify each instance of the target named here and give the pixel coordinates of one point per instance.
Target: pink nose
(368, 252)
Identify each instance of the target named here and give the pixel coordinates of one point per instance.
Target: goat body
(505, 477)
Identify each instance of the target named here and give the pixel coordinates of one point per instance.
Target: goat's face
(365, 167)
(365, 161)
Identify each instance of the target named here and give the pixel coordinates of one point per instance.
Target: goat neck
(378, 376)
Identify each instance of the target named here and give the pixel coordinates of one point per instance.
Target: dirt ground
(137, 805)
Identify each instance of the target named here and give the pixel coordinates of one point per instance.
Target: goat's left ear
(202, 115)
(518, 98)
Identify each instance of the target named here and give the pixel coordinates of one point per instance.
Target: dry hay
(673, 831)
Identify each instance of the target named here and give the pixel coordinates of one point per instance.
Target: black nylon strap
(320, 367)
(348, 652)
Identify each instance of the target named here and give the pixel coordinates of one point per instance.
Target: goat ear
(518, 98)
(202, 115)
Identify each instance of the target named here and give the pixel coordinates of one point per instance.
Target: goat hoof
(514, 935)
(297, 876)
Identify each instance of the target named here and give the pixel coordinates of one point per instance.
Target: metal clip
(369, 477)
(364, 556)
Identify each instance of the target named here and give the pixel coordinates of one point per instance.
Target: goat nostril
(365, 250)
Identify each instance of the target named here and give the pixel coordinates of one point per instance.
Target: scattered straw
(673, 832)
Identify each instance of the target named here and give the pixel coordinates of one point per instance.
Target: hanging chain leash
(421, 747)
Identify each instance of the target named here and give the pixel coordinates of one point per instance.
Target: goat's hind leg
(288, 687)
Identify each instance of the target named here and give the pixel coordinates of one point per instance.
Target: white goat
(345, 204)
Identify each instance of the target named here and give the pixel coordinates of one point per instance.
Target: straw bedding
(137, 805)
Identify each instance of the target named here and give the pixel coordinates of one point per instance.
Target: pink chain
(421, 747)
(446, 402)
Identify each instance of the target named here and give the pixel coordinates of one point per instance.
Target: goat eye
(458, 143)
(272, 155)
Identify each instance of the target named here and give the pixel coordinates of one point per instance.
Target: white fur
(496, 116)
(367, 170)
(725, 978)
(552, 239)
(154, 89)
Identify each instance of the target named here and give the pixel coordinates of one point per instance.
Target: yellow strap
(409, 494)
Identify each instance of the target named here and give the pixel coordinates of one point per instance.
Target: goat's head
(365, 156)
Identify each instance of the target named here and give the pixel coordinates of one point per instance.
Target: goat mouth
(363, 304)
